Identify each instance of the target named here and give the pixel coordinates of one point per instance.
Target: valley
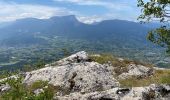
(27, 41)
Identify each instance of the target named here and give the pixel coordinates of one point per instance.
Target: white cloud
(90, 19)
(96, 18)
(117, 9)
(103, 3)
(12, 11)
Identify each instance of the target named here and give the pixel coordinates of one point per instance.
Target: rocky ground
(78, 77)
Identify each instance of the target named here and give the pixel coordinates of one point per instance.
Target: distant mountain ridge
(70, 27)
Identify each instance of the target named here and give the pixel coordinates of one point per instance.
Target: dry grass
(160, 77)
(120, 66)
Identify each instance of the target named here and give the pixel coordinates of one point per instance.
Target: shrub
(48, 94)
(19, 91)
(39, 64)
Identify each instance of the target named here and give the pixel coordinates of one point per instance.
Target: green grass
(38, 85)
(20, 91)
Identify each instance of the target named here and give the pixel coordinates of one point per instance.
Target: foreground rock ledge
(152, 92)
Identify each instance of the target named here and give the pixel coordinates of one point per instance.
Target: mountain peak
(68, 17)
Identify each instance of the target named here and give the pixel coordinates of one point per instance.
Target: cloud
(12, 11)
(97, 18)
(106, 4)
(90, 19)
(116, 9)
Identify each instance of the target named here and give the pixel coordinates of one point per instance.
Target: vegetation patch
(38, 85)
(20, 91)
(160, 77)
(120, 65)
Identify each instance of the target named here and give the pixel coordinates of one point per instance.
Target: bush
(39, 64)
(48, 94)
(17, 91)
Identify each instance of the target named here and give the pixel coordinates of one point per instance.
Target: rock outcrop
(76, 74)
(77, 77)
(152, 92)
(75, 58)
(137, 71)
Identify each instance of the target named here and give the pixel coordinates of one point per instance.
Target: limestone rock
(80, 76)
(38, 91)
(152, 92)
(136, 70)
(78, 57)
(98, 95)
(4, 88)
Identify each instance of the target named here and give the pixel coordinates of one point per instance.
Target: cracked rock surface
(76, 74)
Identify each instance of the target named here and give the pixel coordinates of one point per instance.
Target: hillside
(89, 77)
(70, 27)
(26, 41)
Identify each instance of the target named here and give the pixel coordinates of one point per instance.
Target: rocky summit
(78, 77)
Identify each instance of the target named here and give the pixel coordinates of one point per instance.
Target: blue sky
(87, 11)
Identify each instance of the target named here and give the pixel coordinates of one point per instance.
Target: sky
(87, 11)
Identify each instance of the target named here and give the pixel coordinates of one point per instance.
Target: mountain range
(26, 41)
(26, 31)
